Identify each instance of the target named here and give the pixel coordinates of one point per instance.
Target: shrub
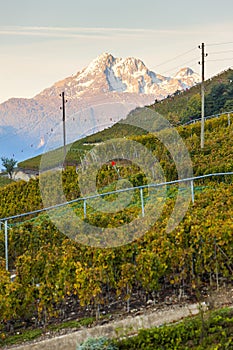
(101, 343)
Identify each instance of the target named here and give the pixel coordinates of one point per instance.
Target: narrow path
(128, 326)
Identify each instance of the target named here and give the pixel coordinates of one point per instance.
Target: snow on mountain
(187, 77)
(109, 74)
(98, 96)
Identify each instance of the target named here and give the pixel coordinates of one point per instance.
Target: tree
(228, 105)
(193, 108)
(9, 164)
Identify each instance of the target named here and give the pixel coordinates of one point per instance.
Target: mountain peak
(187, 76)
(105, 59)
(104, 55)
(184, 72)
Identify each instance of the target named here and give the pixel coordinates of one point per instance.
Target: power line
(220, 52)
(187, 62)
(174, 58)
(221, 59)
(189, 51)
(219, 44)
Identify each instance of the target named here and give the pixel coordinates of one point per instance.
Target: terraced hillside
(56, 276)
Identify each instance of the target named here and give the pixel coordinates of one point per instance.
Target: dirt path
(129, 325)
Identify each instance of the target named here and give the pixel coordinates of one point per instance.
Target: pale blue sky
(47, 40)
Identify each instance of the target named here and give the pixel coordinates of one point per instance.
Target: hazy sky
(43, 41)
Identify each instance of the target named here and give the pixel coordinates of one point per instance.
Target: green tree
(228, 105)
(193, 108)
(9, 164)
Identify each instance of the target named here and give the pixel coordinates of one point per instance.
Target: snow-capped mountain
(109, 74)
(187, 77)
(97, 96)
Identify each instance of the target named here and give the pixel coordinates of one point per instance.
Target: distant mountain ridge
(109, 74)
(97, 96)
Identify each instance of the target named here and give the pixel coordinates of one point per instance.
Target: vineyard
(56, 277)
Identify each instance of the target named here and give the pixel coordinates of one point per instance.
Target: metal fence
(211, 117)
(191, 180)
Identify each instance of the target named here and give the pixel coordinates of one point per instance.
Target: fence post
(216, 263)
(142, 202)
(6, 244)
(229, 119)
(192, 190)
(85, 208)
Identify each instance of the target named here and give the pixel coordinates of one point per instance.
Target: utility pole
(64, 123)
(203, 55)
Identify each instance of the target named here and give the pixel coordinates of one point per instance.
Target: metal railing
(190, 180)
(211, 117)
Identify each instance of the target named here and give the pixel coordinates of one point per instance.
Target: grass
(212, 332)
(20, 338)
(4, 181)
(32, 334)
